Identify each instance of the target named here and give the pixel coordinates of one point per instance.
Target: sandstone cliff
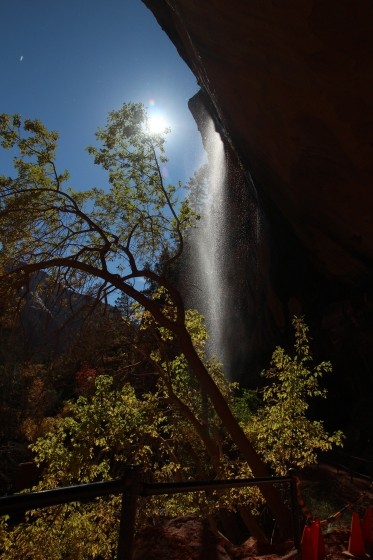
(291, 85)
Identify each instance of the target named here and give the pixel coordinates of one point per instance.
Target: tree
(102, 241)
(197, 188)
(99, 432)
(92, 438)
(284, 435)
(95, 435)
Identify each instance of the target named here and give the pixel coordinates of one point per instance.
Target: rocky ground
(188, 538)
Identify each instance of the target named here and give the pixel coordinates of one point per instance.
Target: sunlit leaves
(92, 439)
(98, 434)
(284, 435)
(106, 239)
(126, 225)
(142, 209)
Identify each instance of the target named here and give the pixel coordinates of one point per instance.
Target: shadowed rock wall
(290, 83)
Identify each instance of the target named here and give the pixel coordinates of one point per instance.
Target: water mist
(221, 268)
(209, 245)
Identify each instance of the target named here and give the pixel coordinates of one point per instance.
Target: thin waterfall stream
(221, 268)
(210, 247)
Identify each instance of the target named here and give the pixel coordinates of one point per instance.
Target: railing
(357, 467)
(131, 487)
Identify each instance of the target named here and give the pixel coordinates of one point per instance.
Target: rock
(183, 538)
(190, 538)
(290, 85)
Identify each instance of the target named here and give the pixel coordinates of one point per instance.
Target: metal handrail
(33, 500)
(131, 487)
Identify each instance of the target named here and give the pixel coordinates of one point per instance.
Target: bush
(284, 435)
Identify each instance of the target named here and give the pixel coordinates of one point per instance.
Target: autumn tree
(102, 430)
(285, 435)
(105, 240)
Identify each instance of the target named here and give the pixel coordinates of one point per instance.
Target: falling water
(210, 246)
(222, 273)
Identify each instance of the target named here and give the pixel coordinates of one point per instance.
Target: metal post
(295, 513)
(130, 492)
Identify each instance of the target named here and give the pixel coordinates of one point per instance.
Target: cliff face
(291, 83)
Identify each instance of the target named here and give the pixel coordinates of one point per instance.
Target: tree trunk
(259, 469)
(280, 512)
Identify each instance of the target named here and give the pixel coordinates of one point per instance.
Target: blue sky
(69, 62)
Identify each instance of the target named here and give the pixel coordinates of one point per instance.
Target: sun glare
(157, 124)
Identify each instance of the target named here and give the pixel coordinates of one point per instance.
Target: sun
(157, 124)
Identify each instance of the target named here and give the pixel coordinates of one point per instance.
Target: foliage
(197, 188)
(179, 387)
(174, 434)
(115, 239)
(284, 435)
(93, 438)
(128, 225)
(97, 434)
(27, 397)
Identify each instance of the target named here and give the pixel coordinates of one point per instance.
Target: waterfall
(208, 291)
(209, 244)
(221, 272)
